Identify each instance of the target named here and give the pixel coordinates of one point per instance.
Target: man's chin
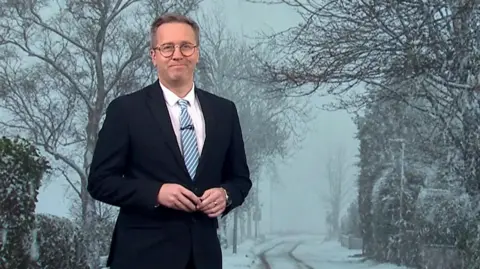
(179, 78)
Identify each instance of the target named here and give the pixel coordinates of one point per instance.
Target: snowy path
(301, 252)
(281, 256)
(319, 254)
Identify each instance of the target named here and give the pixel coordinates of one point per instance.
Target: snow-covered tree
(268, 124)
(340, 44)
(338, 189)
(422, 54)
(396, 144)
(62, 62)
(21, 171)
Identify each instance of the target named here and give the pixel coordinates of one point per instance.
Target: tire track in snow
(302, 264)
(287, 255)
(263, 256)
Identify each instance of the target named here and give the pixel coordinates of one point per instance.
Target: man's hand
(177, 197)
(213, 202)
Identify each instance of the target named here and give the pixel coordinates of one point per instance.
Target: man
(171, 156)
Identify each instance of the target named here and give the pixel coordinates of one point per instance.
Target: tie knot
(183, 103)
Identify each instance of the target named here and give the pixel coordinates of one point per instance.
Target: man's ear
(153, 56)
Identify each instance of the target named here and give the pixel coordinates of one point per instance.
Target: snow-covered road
(305, 252)
(281, 256)
(332, 255)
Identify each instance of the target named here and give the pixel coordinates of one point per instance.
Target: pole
(235, 231)
(402, 180)
(402, 190)
(271, 206)
(402, 173)
(257, 208)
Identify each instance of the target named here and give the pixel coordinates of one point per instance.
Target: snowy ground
(302, 252)
(244, 258)
(332, 255)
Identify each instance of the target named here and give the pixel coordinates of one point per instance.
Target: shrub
(21, 171)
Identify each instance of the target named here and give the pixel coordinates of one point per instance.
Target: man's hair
(169, 18)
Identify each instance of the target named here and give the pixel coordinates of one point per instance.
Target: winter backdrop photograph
(263, 134)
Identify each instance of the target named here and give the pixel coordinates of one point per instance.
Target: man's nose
(177, 54)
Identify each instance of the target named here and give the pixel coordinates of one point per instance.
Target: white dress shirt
(194, 110)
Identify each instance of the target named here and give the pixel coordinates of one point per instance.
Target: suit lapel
(158, 107)
(208, 110)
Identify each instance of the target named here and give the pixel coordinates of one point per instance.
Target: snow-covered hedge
(58, 243)
(21, 171)
(350, 223)
(442, 215)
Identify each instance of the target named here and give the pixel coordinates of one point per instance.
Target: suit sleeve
(106, 181)
(236, 173)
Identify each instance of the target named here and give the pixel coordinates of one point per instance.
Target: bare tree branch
(59, 70)
(343, 43)
(269, 122)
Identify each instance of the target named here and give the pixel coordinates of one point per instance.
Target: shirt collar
(171, 98)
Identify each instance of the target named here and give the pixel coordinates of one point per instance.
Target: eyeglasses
(167, 50)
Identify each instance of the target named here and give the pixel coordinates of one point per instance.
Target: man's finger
(189, 206)
(215, 208)
(207, 202)
(206, 194)
(190, 195)
(178, 205)
(208, 206)
(211, 210)
(216, 213)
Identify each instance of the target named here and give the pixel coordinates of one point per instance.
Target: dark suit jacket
(137, 152)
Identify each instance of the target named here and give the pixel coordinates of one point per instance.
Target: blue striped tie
(189, 139)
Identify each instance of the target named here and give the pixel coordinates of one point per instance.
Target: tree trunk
(257, 222)
(222, 223)
(242, 225)
(92, 243)
(235, 231)
(249, 219)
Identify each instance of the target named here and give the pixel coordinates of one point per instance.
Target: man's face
(175, 68)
